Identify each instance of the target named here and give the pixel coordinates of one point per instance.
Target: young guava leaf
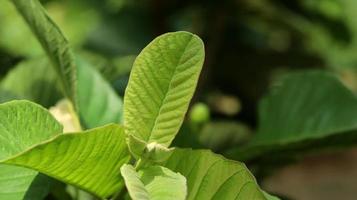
(53, 41)
(154, 183)
(98, 102)
(306, 111)
(152, 152)
(211, 176)
(41, 89)
(22, 125)
(90, 160)
(161, 85)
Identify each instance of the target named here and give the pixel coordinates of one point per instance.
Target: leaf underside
(90, 160)
(211, 176)
(154, 183)
(22, 125)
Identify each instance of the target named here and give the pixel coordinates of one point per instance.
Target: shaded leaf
(306, 111)
(6, 95)
(35, 87)
(98, 102)
(110, 68)
(20, 183)
(220, 135)
(102, 108)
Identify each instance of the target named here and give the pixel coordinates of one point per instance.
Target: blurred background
(249, 44)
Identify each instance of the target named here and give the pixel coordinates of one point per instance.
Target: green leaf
(147, 153)
(102, 108)
(211, 176)
(6, 95)
(98, 102)
(154, 183)
(110, 68)
(90, 160)
(221, 135)
(22, 125)
(269, 196)
(54, 43)
(16, 33)
(37, 87)
(20, 183)
(135, 186)
(161, 85)
(306, 111)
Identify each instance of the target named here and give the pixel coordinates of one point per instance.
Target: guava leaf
(36, 87)
(112, 69)
(211, 176)
(269, 196)
(16, 33)
(90, 160)
(306, 111)
(53, 41)
(103, 108)
(154, 183)
(161, 85)
(220, 135)
(18, 183)
(6, 96)
(22, 125)
(104, 105)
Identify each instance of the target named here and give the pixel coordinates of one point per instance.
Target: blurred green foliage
(250, 46)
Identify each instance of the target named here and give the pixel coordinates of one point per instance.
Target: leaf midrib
(168, 88)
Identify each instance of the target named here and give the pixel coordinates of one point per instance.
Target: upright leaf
(54, 43)
(161, 85)
(22, 125)
(211, 176)
(306, 111)
(154, 183)
(90, 160)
